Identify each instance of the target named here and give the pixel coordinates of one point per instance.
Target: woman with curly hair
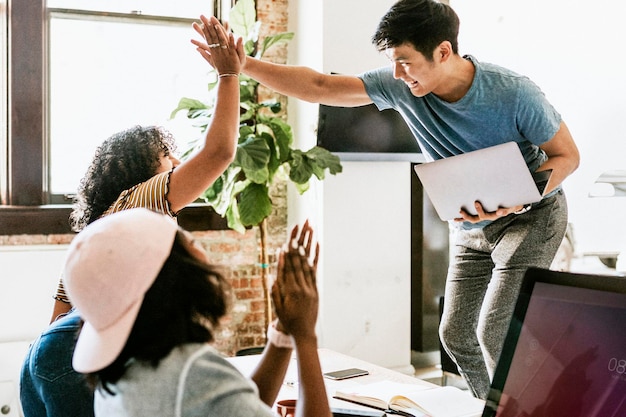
(121, 164)
(137, 167)
(133, 168)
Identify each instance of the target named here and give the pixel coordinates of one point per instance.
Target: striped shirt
(151, 194)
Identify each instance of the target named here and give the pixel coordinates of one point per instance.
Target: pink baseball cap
(109, 267)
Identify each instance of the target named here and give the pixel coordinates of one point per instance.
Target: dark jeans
(486, 270)
(49, 386)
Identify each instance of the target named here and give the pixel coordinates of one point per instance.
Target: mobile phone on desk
(346, 373)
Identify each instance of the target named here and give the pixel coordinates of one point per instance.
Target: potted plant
(264, 151)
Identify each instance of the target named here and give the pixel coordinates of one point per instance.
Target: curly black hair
(122, 161)
(184, 305)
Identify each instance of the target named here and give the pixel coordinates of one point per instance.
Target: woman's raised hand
(219, 49)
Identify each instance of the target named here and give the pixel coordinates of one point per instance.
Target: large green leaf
(302, 188)
(222, 193)
(325, 159)
(233, 219)
(300, 169)
(313, 162)
(242, 18)
(245, 132)
(272, 164)
(254, 204)
(283, 135)
(191, 105)
(272, 40)
(252, 156)
(247, 89)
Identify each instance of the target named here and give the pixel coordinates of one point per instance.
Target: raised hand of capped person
(294, 292)
(221, 50)
(296, 302)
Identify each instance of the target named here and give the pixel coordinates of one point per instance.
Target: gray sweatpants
(486, 270)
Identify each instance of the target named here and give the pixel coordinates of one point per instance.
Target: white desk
(332, 361)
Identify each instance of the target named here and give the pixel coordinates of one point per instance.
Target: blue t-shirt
(500, 106)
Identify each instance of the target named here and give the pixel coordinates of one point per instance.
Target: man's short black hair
(421, 23)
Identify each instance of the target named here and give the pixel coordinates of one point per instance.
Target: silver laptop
(496, 176)
(565, 351)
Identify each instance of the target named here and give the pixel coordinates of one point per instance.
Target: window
(78, 72)
(129, 70)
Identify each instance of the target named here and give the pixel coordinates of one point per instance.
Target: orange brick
(257, 305)
(255, 282)
(249, 294)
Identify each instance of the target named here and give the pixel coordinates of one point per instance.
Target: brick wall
(239, 254)
(273, 14)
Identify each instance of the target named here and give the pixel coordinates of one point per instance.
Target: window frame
(24, 195)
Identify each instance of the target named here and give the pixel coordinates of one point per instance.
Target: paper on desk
(438, 402)
(387, 389)
(448, 401)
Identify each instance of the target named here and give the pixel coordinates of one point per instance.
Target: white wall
(367, 271)
(31, 270)
(31, 275)
(362, 216)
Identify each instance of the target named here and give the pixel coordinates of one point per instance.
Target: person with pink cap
(151, 305)
(132, 168)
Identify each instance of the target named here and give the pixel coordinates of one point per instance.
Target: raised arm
(305, 83)
(197, 173)
(296, 302)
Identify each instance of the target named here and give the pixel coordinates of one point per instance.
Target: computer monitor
(365, 133)
(565, 352)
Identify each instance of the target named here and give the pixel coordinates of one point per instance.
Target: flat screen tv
(365, 133)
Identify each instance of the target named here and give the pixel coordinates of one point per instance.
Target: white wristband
(278, 338)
